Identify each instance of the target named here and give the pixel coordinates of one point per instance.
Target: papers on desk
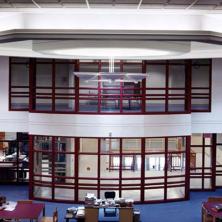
(10, 206)
(80, 212)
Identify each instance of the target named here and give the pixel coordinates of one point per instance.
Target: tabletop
(24, 211)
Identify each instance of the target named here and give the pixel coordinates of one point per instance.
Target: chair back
(125, 214)
(91, 214)
(55, 215)
(110, 194)
(24, 201)
(214, 199)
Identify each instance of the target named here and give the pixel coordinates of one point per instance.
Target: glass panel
(157, 76)
(176, 105)
(19, 74)
(109, 145)
(64, 144)
(43, 164)
(197, 139)
(88, 105)
(176, 192)
(154, 194)
(64, 166)
(88, 165)
(109, 167)
(157, 105)
(155, 145)
(200, 76)
(44, 75)
(131, 194)
(177, 76)
(196, 183)
(110, 105)
(42, 143)
(131, 145)
(177, 144)
(43, 192)
(88, 145)
(64, 194)
(131, 166)
(19, 103)
(219, 138)
(44, 104)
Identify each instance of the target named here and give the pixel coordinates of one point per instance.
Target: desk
(30, 211)
(210, 208)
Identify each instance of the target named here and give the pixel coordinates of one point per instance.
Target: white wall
(103, 125)
(211, 122)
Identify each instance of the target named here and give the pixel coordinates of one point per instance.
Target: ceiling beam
(87, 3)
(140, 3)
(192, 4)
(37, 5)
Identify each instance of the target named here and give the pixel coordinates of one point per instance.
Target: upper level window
(19, 84)
(67, 86)
(201, 85)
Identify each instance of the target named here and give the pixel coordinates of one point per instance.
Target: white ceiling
(143, 4)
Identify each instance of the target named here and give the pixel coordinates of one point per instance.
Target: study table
(210, 208)
(30, 211)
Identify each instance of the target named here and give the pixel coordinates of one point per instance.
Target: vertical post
(187, 169)
(31, 166)
(53, 158)
(76, 87)
(165, 168)
(188, 88)
(53, 85)
(120, 169)
(167, 88)
(76, 168)
(213, 160)
(98, 169)
(32, 84)
(10, 84)
(144, 70)
(143, 143)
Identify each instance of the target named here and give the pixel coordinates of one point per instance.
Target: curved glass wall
(144, 169)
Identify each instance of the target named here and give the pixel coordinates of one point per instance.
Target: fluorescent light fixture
(111, 76)
(110, 52)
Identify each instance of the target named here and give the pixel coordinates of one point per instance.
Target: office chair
(110, 212)
(110, 195)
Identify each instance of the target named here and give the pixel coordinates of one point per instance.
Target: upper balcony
(50, 86)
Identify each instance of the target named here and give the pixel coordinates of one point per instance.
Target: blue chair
(110, 211)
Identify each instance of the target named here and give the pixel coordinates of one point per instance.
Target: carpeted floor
(184, 211)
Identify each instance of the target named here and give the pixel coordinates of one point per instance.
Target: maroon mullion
(166, 168)
(121, 90)
(98, 168)
(53, 167)
(31, 166)
(142, 192)
(210, 86)
(10, 84)
(213, 156)
(120, 168)
(188, 89)
(76, 86)
(76, 169)
(32, 85)
(187, 171)
(99, 87)
(167, 87)
(144, 70)
(203, 160)
(53, 85)
(76, 94)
